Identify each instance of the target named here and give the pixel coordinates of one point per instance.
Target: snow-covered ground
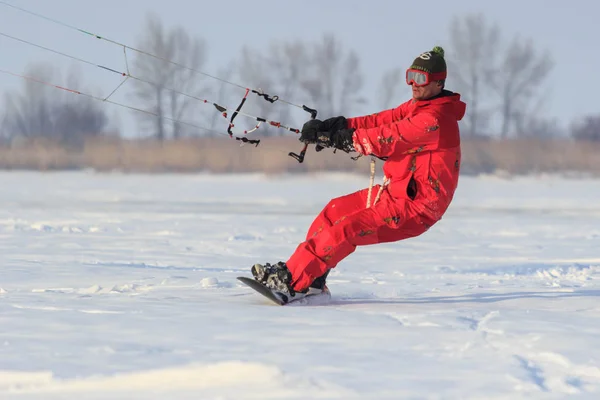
(123, 287)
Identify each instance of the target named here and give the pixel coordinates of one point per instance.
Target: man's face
(427, 91)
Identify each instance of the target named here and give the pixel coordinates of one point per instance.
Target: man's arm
(377, 119)
(414, 134)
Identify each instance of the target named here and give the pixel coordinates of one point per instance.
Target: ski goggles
(421, 78)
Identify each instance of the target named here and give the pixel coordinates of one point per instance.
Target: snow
(116, 286)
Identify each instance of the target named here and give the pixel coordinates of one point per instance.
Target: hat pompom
(438, 50)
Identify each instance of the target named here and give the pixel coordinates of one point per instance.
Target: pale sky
(384, 33)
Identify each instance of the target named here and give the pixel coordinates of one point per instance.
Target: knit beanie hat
(432, 62)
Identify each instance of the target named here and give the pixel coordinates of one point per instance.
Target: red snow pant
(346, 223)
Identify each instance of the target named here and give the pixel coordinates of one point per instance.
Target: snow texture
(117, 286)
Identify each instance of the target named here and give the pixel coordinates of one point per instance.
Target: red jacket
(420, 140)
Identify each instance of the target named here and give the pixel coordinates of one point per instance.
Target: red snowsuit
(421, 141)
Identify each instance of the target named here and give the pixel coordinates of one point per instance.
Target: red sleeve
(417, 133)
(377, 119)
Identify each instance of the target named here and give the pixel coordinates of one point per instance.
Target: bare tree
(254, 70)
(288, 62)
(389, 87)
(588, 129)
(335, 81)
(322, 75)
(529, 120)
(223, 92)
(43, 111)
(539, 128)
(474, 53)
(28, 114)
(279, 72)
(516, 81)
(167, 79)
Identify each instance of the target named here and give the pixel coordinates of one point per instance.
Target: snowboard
(276, 297)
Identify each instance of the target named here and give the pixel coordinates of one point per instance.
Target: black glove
(341, 140)
(311, 128)
(334, 124)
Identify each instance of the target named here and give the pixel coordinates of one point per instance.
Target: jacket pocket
(411, 188)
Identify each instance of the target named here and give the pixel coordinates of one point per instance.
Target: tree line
(502, 81)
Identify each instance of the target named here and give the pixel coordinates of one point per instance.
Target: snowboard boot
(318, 286)
(276, 277)
(320, 282)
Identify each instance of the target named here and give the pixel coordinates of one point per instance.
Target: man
(420, 143)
